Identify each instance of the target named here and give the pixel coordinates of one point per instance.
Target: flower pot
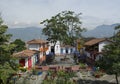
(97, 76)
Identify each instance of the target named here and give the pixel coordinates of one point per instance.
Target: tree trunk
(116, 77)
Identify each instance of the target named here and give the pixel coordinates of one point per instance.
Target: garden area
(60, 74)
(59, 77)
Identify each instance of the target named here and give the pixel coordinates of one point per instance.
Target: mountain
(26, 34)
(101, 31)
(30, 33)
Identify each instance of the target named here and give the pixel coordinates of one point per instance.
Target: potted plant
(97, 74)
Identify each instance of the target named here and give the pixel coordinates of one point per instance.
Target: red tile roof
(37, 41)
(95, 41)
(24, 54)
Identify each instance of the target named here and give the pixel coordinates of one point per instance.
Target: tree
(7, 65)
(20, 45)
(64, 27)
(111, 60)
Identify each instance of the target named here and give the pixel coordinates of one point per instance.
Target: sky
(26, 13)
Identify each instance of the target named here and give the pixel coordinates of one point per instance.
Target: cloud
(90, 22)
(17, 24)
(32, 12)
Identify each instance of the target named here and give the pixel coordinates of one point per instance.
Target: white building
(26, 58)
(61, 49)
(39, 45)
(97, 44)
(102, 44)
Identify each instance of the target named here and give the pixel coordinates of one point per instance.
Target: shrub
(23, 69)
(82, 65)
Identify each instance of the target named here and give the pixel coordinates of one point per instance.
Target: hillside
(26, 34)
(101, 31)
(30, 33)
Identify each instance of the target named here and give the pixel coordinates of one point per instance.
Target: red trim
(29, 63)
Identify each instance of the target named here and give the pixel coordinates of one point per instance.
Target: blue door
(71, 50)
(61, 51)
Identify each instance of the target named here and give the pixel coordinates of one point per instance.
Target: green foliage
(64, 74)
(5, 72)
(111, 57)
(35, 72)
(7, 65)
(65, 27)
(82, 65)
(48, 81)
(3, 37)
(23, 69)
(62, 77)
(61, 73)
(20, 45)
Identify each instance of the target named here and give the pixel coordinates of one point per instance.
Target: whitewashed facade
(102, 44)
(26, 63)
(39, 45)
(34, 46)
(67, 50)
(60, 50)
(26, 58)
(57, 48)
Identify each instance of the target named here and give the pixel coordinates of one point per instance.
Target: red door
(22, 62)
(29, 63)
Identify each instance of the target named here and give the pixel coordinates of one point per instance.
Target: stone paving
(105, 79)
(58, 60)
(34, 79)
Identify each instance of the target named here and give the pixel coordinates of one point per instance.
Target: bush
(98, 74)
(82, 65)
(36, 72)
(23, 69)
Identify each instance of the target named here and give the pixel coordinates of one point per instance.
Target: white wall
(57, 48)
(26, 63)
(41, 54)
(33, 60)
(33, 46)
(47, 52)
(102, 44)
(62, 50)
(36, 47)
(69, 50)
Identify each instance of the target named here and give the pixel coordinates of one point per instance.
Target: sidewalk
(109, 78)
(40, 78)
(106, 79)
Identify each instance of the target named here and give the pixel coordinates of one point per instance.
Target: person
(76, 55)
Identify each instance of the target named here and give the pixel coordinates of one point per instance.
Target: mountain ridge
(101, 31)
(29, 33)
(26, 34)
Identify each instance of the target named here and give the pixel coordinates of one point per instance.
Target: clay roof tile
(24, 54)
(95, 41)
(37, 41)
